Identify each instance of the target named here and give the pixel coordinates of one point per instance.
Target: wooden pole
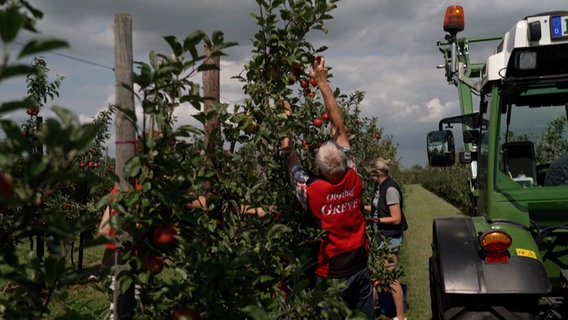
(125, 131)
(211, 84)
(123, 303)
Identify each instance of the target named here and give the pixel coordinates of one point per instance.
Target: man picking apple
(332, 199)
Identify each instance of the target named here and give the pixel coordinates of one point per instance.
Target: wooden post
(211, 81)
(123, 304)
(211, 84)
(125, 131)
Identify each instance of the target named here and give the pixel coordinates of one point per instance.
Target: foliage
(552, 144)
(451, 184)
(39, 159)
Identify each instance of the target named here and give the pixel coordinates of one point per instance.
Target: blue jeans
(359, 292)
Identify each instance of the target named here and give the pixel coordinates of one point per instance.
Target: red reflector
(496, 257)
(495, 243)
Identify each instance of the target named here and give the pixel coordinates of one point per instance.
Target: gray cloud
(386, 48)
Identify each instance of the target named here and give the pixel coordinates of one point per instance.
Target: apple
(154, 264)
(313, 82)
(250, 126)
(277, 215)
(318, 59)
(325, 116)
(378, 135)
(292, 80)
(310, 94)
(32, 111)
(304, 83)
(283, 286)
(184, 313)
(318, 122)
(296, 69)
(6, 188)
(376, 283)
(163, 236)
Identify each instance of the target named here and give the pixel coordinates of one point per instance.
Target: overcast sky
(386, 48)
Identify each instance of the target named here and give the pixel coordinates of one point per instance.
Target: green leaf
(11, 22)
(256, 312)
(174, 45)
(37, 46)
(14, 105)
(16, 70)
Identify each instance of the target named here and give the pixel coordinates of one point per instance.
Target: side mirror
(441, 148)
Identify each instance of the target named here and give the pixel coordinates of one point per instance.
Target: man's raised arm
(318, 72)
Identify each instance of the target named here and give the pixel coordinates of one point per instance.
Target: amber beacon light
(454, 20)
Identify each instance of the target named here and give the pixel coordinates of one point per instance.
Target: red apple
(304, 83)
(296, 69)
(154, 264)
(318, 59)
(32, 111)
(283, 286)
(163, 236)
(292, 80)
(313, 82)
(184, 313)
(310, 94)
(318, 122)
(324, 116)
(6, 188)
(378, 135)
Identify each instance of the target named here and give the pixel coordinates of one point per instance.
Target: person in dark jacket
(388, 216)
(332, 200)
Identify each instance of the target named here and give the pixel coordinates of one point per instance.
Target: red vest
(337, 208)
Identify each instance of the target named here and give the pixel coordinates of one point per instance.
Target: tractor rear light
(454, 19)
(495, 243)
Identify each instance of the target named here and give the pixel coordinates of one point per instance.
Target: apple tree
(226, 263)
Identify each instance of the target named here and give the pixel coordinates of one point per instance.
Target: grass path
(420, 208)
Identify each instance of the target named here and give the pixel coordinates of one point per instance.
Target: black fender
(462, 270)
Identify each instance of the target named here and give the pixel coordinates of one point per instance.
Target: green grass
(421, 207)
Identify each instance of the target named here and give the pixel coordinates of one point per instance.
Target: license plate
(558, 27)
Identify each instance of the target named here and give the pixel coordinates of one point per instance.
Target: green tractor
(509, 260)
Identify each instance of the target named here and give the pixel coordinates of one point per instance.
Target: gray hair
(330, 159)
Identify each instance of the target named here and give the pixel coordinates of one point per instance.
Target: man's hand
(318, 72)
